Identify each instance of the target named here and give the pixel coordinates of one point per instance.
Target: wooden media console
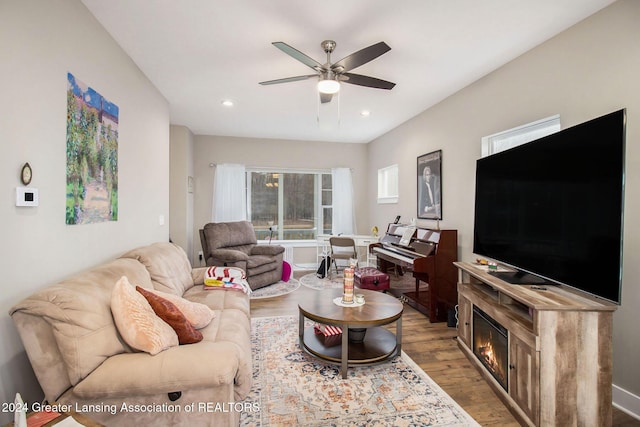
(559, 347)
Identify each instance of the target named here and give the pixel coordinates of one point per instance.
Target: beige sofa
(80, 359)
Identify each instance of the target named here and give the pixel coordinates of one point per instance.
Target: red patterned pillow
(168, 312)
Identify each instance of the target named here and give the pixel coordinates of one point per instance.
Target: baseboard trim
(308, 266)
(626, 401)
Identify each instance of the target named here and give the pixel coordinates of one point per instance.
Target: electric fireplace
(491, 345)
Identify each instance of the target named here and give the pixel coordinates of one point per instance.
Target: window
(388, 184)
(296, 205)
(520, 135)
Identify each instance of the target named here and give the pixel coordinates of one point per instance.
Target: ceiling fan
(330, 75)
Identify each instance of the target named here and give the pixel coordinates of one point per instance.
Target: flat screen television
(553, 208)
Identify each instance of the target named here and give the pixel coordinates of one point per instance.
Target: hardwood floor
(433, 348)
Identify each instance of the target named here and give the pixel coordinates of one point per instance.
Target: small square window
(388, 184)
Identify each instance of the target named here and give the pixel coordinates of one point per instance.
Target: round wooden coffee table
(379, 344)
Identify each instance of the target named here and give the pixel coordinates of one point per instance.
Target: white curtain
(229, 194)
(344, 219)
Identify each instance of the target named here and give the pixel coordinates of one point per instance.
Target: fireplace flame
(485, 350)
(491, 346)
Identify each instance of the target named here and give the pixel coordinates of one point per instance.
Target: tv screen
(553, 208)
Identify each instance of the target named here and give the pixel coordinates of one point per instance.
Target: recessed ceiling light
(365, 113)
(227, 103)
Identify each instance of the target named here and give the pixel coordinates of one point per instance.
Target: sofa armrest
(198, 275)
(271, 250)
(229, 255)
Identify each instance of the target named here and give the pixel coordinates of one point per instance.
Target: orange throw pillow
(199, 315)
(167, 311)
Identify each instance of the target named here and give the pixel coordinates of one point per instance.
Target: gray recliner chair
(234, 244)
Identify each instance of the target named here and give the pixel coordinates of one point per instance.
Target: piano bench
(371, 278)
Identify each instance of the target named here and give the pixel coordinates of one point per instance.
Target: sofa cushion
(79, 312)
(270, 250)
(168, 266)
(176, 369)
(261, 264)
(220, 299)
(199, 315)
(137, 322)
(223, 357)
(168, 312)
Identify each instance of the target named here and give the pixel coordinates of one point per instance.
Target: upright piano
(429, 255)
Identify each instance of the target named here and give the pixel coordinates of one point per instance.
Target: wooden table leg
(345, 351)
(399, 335)
(301, 329)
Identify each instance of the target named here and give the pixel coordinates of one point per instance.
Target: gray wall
(587, 71)
(40, 41)
(182, 201)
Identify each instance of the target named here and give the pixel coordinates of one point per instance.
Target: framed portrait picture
(430, 185)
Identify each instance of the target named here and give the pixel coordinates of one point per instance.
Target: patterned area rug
(276, 290)
(291, 388)
(312, 281)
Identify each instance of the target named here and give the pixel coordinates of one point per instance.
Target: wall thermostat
(26, 196)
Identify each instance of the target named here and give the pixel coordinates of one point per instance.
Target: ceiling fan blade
(296, 54)
(288, 79)
(360, 80)
(325, 97)
(361, 57)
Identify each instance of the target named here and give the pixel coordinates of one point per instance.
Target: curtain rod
(279, 169)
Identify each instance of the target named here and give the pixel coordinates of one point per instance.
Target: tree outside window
(289, 205)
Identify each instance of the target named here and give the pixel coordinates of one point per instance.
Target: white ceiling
(201, 52)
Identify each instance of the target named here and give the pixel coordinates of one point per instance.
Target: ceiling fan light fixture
(328, 86)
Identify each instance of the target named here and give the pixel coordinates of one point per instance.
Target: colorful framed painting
(92, 155)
